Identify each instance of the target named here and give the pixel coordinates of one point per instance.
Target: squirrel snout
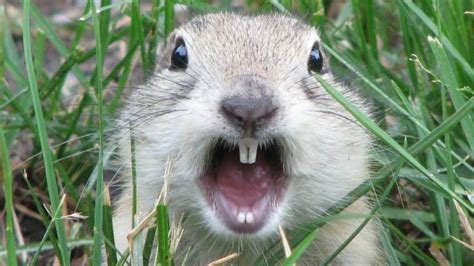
(248, 114)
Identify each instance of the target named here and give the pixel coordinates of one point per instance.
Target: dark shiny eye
(315, 61)
(179, 57)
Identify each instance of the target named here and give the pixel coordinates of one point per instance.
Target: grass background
(61, 82)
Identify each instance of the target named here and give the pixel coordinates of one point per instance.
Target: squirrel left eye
(179, 57)
(315, 61)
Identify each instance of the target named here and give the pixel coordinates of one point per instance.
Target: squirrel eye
(179, 57)
(315, 61)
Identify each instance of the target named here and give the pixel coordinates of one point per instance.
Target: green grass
(100, 25)
(63, 252)
(8, 188)
(412, 59)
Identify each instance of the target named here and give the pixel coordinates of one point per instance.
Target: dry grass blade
(465, 225)
(435, 250)
(224, 260)
(26, 211)
(142, 225)
(471, 247)
(163, 198)
(284, 240)
(176, 233)
(19, 236)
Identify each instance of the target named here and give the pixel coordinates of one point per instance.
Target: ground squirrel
(255, 141)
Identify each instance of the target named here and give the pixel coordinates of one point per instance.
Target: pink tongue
(243, 184)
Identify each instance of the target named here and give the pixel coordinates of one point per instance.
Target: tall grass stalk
(51, 180)
(8, 190)
(99, 187)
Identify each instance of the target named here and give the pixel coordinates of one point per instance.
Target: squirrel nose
(248, 114)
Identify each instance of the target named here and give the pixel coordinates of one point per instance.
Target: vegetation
(60, 83)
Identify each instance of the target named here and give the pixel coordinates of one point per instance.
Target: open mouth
(244, 183)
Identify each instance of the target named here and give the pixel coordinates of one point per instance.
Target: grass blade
(109, 229)
(163, 257)
(148, 246)
(99, 187)
(388, 247)
(425, 259)
(454, 247)
(8, 189)
(45, 148)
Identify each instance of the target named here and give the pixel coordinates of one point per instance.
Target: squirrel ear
(182, 14)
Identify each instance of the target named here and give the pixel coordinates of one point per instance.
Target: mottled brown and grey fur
(176, 115)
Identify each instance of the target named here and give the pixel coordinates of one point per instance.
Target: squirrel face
(255, 141)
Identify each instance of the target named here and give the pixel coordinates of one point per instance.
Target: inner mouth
(244, 183)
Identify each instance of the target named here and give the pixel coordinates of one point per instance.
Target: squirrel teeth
(248, 150)
(249, 218)
(243, 217)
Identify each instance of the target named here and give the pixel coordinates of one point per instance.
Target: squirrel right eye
(179, 57)
(315, 61)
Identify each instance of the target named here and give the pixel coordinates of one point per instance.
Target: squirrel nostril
(247, 113)
(230, 113)
(263, 119)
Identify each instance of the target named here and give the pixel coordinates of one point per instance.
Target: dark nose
(250, 114)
